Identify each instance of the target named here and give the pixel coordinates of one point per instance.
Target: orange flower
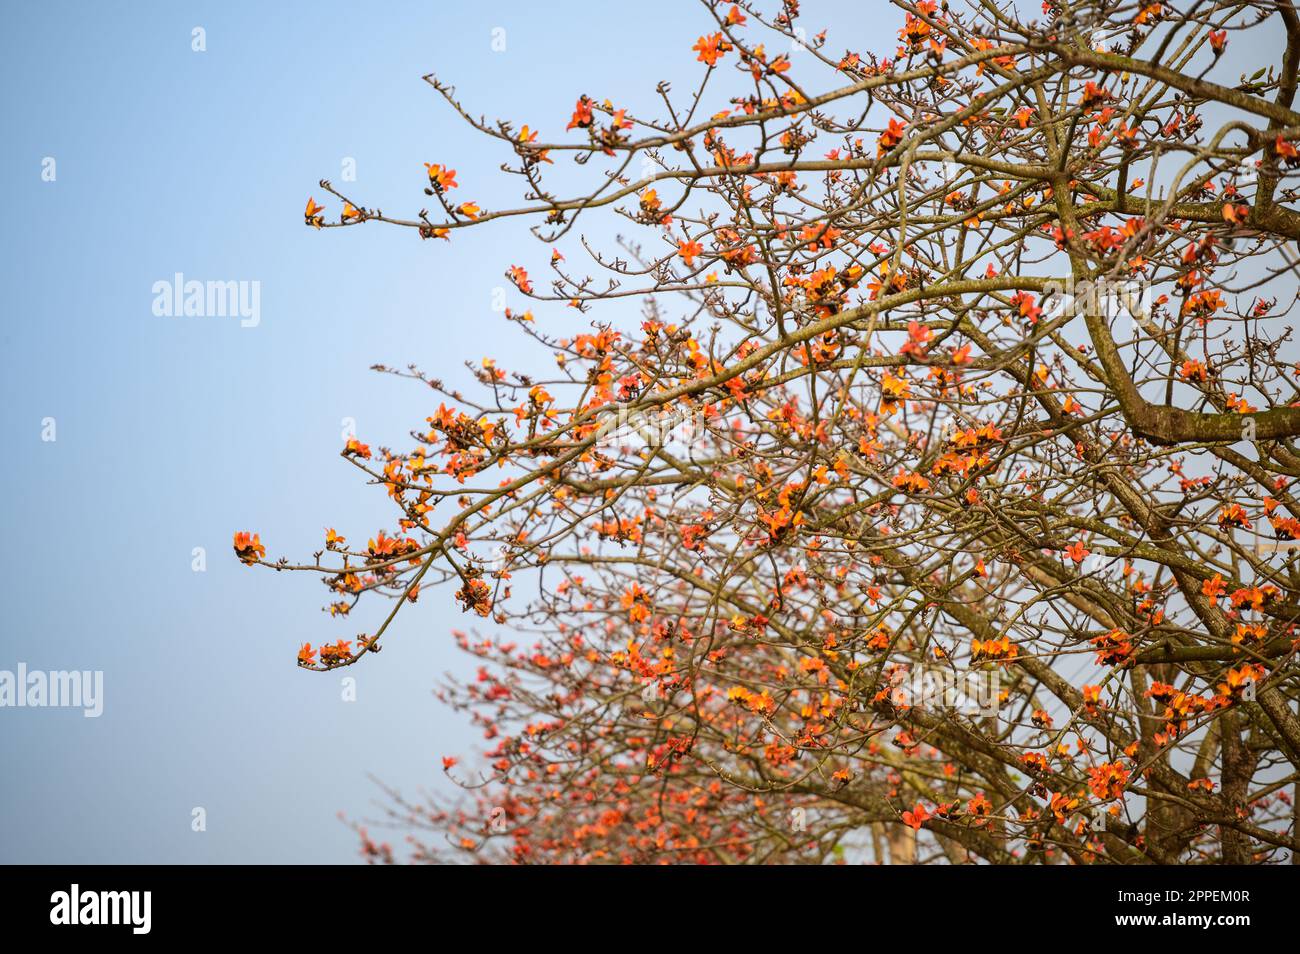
(1233, 516)
(1287, 151)
(477, 596)
(917, 817)
(1027, 306)
(912, 483)
(1114, 648)
(1235, 213)
(1093, 94)
(582, 116)
(313, 216)
(336, 653)
(893, 392)
(248, 547)
(306, 655)
(520, 277)
(652, 209)
(753, 701)
(1035, 762)
(914, 32)
(688, 250)
(890, 138)
(1000, 649)
(1237, 680)
(440, 177)
(637, 602)
(1062, 805)
(711, 48)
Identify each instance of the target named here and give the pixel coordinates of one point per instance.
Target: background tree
(963, 361)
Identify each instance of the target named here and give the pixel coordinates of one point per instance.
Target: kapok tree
(962, 357)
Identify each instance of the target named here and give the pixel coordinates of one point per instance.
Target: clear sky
(171, 433)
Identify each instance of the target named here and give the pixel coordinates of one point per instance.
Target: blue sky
(174, 432)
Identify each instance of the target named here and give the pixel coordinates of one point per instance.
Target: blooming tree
(937, 506)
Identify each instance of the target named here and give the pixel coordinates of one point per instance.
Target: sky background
(172, 433)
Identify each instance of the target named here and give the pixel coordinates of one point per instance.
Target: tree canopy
(939, 503)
